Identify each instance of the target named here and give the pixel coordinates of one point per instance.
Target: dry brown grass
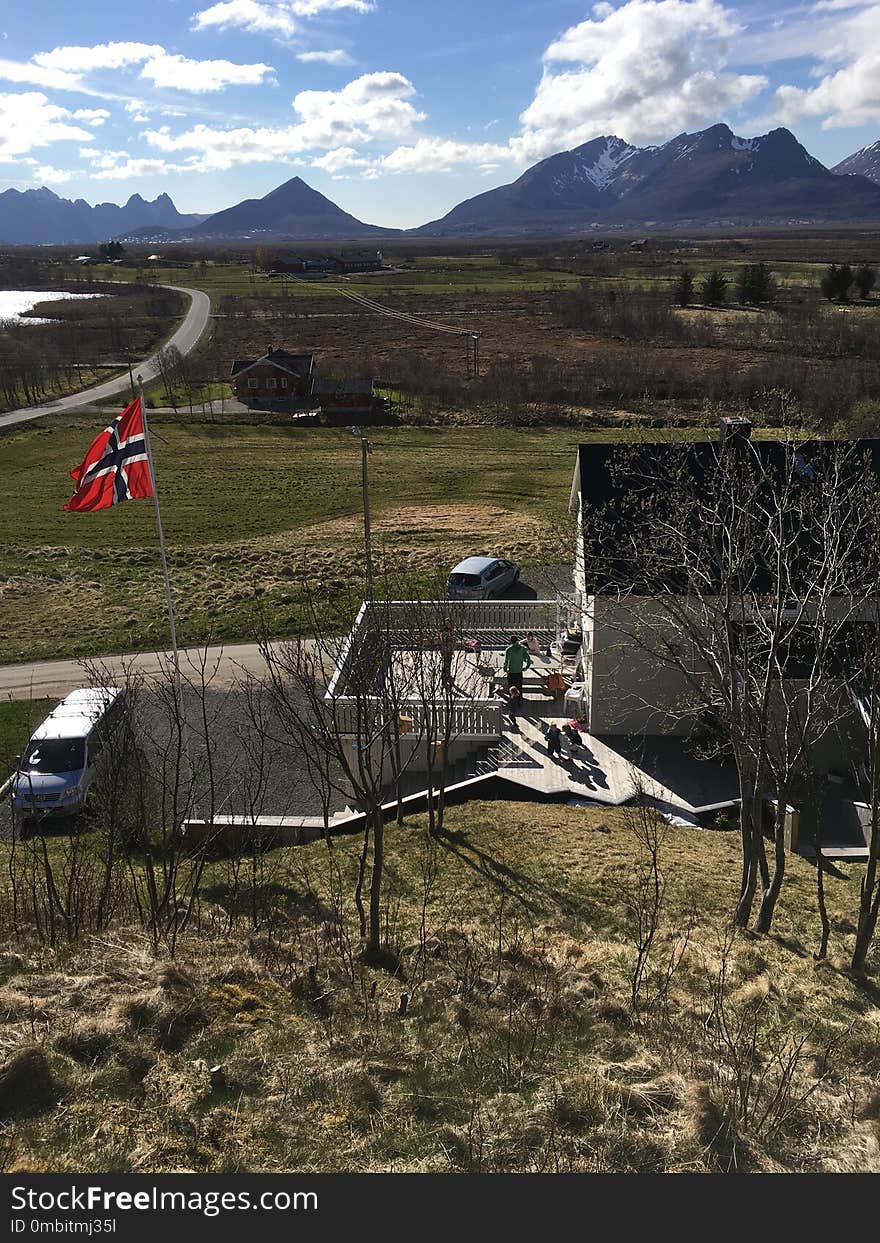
(519, 1049)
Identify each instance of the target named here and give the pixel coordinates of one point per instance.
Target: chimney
(268, 351)
(734, 430)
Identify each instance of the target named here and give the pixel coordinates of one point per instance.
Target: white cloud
(335, 161)
(847, 92)
(183, 74)
(335, 56)
(47, 175)
(246, 15)
(92, 116)
(428, 155)
(260, 17)
(81, 60)
(29, 120)
(135, 168)
(643, 71)
(310, 8)
(370, 108)
(107, 159)
(64, 67)
(39, 75)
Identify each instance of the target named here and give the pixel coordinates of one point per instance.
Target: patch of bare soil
(435, 522)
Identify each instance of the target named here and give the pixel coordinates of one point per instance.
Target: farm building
(337, 264)
(348, 393)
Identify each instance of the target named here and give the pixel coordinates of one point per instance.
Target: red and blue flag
(116, 467)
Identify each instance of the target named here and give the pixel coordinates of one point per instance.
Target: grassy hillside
(517, 1046)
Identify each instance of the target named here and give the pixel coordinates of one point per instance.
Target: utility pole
(366, 448)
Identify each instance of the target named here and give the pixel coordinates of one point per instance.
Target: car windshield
(54, 755)
(464, 580)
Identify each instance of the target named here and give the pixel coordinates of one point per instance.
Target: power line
(418, 321)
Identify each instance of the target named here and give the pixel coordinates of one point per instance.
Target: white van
(63, 757)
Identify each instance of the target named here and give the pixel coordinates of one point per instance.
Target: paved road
(226, 666)
(185, 338)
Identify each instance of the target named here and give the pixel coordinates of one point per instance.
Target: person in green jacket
(516, 659)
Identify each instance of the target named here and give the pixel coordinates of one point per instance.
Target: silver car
(481, 578)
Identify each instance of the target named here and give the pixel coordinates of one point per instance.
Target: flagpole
(168, 597)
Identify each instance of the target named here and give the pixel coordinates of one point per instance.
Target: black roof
(356, 384)
(622, 484)
(299, 364)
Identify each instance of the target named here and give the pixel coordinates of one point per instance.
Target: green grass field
(248, 511)
(436, 275)
(18, 717)
(252, 514)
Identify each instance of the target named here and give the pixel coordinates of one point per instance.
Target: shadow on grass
(240, 899)
(532, 893)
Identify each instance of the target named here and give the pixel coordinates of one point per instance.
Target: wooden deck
(603, 770)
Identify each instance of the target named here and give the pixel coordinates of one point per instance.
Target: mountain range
(866, 162)
(708, 178)
(37, 217)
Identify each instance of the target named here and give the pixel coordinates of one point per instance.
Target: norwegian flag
(116, 467)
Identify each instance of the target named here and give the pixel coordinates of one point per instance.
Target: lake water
(14, 301)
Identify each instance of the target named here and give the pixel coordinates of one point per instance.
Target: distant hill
(292, 212)
(38, 217)
(709, 177)
(866, 163)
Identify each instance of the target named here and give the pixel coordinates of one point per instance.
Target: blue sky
(398, 110)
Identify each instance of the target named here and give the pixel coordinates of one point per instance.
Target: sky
(399, 109)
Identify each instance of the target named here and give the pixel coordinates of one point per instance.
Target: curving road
(186, 337)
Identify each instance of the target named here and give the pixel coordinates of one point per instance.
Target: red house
(275, 381)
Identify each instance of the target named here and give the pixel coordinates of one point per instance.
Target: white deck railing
(356, 711)
(470, 719)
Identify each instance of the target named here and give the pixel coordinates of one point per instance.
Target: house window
(283, 382)
(253, 383)
(272, 383)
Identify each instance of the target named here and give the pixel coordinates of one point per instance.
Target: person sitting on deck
(534, 647)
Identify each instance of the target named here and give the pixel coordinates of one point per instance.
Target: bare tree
(736, 576)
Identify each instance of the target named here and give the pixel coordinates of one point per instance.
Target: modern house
(645, 652)
(639, 722)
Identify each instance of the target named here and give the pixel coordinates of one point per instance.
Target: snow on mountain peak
(602, 170)
(743, 144)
